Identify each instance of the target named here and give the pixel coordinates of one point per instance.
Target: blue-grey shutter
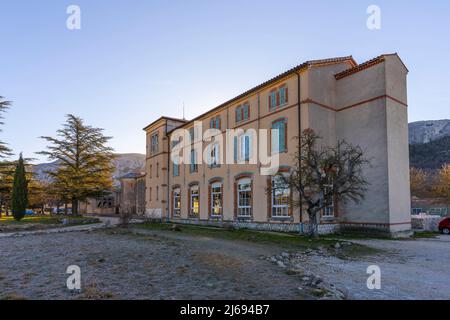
(235, 149)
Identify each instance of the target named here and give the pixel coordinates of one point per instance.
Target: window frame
(191, 202)
(275, 208)
(284, 137)
(154, 143)
(244, 211)
(176, 205)
(216, 185)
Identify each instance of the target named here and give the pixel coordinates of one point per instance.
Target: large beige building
(365, 104)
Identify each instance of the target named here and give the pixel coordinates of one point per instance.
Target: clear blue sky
(134, 61)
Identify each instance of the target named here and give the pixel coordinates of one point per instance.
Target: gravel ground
(125, 266)
(171, 265)
(410, 270)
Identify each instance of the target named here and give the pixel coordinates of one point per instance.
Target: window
(216, 199)
(278, 97)
(194, 165)
(176, 202)
(273, 99)
(279, 136)
(283, 92)
(157, 170)
(244, 147)
(157, 193)
(244, 198)
(176, 169)
(329, 210)
(214, 160)
(281, 194)
(150, 193)
(215, 123)
(154, 143)
(243, 112)
(239, 114)
(194, 201)
(151, 171)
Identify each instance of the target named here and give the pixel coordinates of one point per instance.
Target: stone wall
(277, 227)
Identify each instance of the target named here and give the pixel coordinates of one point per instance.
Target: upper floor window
(278, 97)
(214, 158)
(279, 136)
(176, 169)
(215, 123)
(194, 164)
(243, 112)
(154, 143)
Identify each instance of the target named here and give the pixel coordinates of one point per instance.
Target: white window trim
(213, 186)
(176, 211)
(241, 208)
(279, 206)
(191, 195)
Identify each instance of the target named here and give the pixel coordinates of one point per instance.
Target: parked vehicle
(30, 213)
(444, 226)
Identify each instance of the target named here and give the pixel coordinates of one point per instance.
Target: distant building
(365, 104)
(429, 206)
(132, 194)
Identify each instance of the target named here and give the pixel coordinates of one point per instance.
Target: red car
(444, 226)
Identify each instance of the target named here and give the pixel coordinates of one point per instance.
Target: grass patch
(8, 224)
(424, 235)
(283, 240)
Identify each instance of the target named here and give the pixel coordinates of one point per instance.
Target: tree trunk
(65, 208)
(313, 226)
(75, 207)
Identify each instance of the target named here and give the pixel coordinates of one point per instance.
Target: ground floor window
(281, 194)
(177, 202)
(194, 201)
(216, 199)
(328, 212)
(244, 197)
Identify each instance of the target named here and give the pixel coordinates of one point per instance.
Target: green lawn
(8, 224)
(284, 240)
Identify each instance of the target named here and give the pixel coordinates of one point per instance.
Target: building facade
(363, 104)
(132, 194)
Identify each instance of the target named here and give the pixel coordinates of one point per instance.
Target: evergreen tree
(19, 196)
(84, 161)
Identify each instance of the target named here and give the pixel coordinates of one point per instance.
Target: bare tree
(324, 175)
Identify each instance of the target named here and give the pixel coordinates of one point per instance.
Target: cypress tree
(19, 192)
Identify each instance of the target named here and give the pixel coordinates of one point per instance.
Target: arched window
(216, 199)
(194, 201)
(280, 198)
(244, 198)
(176, 201)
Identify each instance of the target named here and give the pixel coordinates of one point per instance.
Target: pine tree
(84, 161)
(19, 196)
(4, 150)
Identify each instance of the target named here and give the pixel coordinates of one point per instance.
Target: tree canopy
(84, 161)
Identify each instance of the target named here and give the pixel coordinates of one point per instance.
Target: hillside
(431, 155)
(427, 131)
(124, 163)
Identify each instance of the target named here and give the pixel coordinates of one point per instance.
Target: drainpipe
(168, 178)
(301, 225)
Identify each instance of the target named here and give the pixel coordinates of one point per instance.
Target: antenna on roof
(183, 112)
